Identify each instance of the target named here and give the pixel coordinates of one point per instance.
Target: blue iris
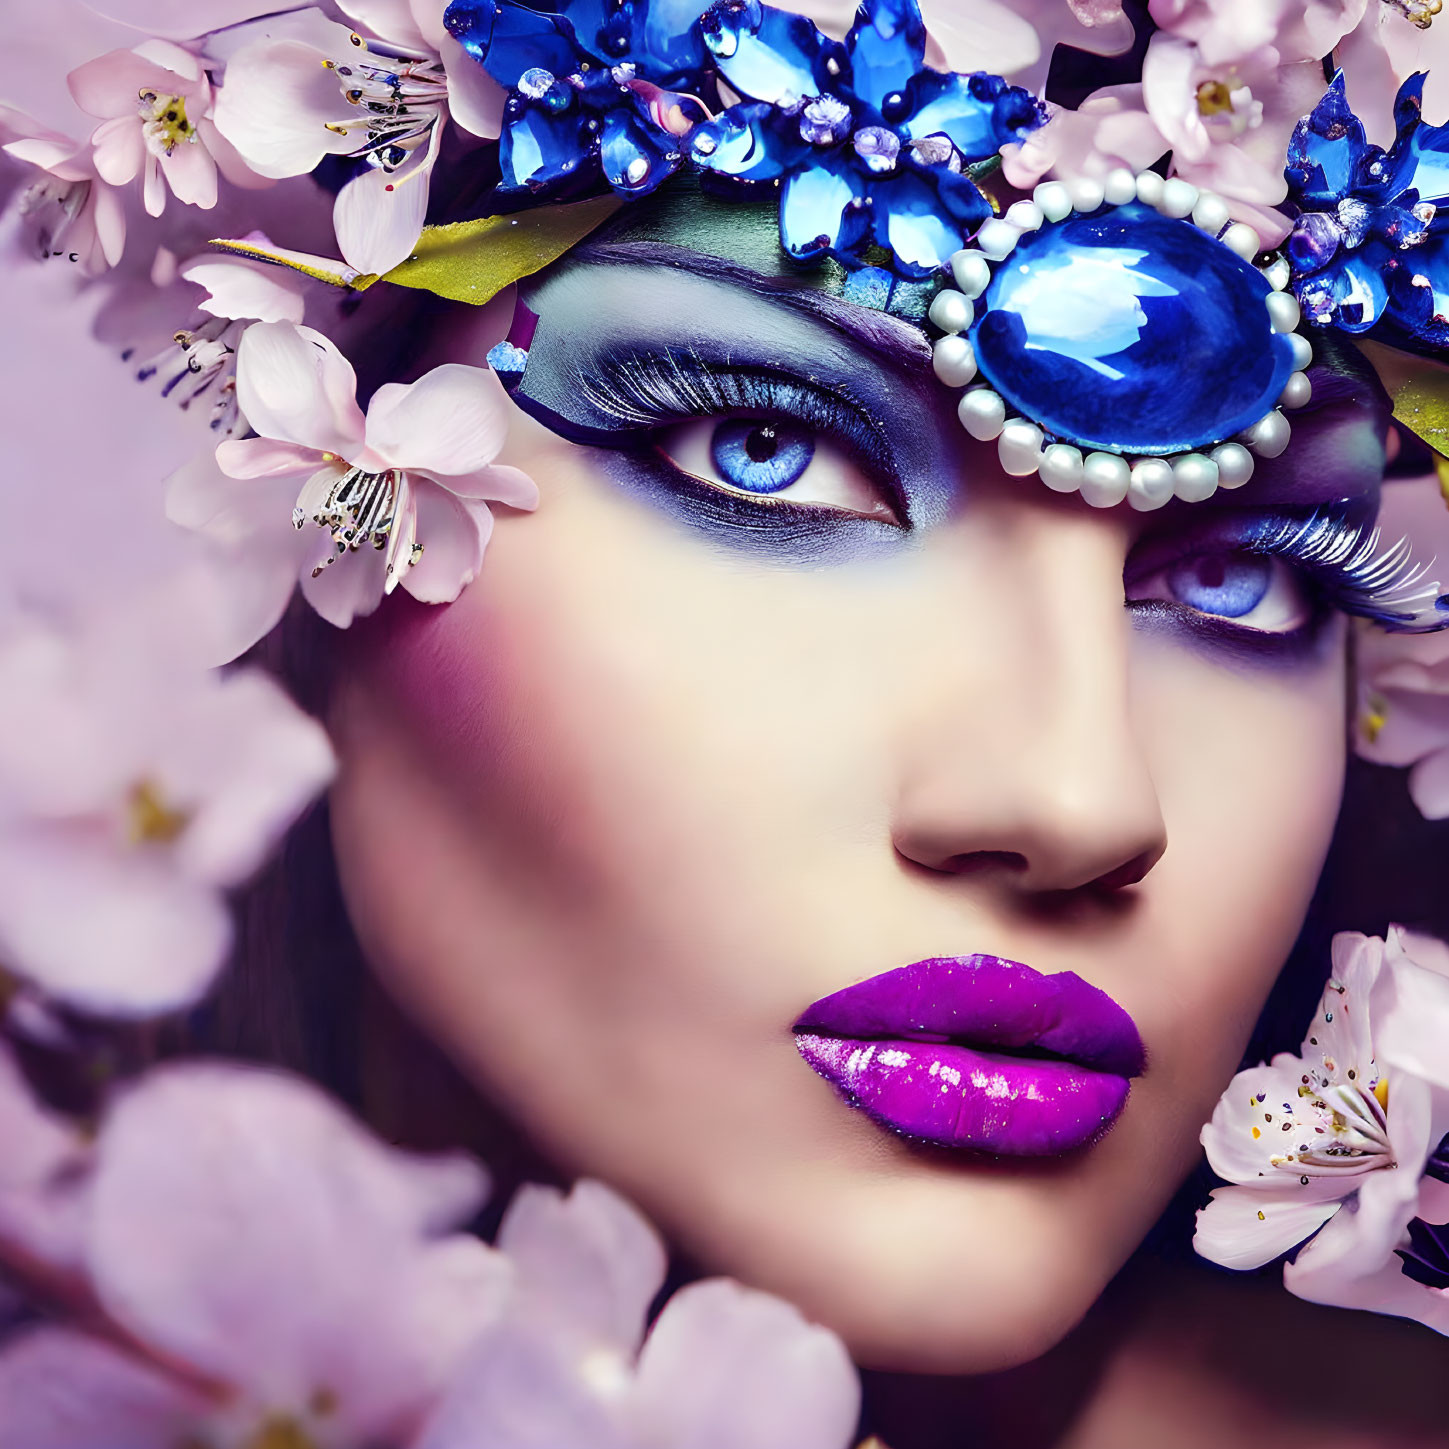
(761, 457)
(1226, 584)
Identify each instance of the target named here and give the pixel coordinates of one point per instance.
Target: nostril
(1129, 873)
(982, 862)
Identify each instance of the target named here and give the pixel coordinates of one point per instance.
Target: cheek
(1249, 768)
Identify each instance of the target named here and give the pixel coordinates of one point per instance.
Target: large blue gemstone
(1131, 332)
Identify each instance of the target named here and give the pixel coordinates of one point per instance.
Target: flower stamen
(167, 125)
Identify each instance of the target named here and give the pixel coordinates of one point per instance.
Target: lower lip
(957, 1096)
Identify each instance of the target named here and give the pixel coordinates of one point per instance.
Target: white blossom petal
(294, 386)
(450, 422)
(729, 1368)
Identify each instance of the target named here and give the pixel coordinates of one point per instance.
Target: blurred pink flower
(73, 212)
(1109, 130)
(1331, 1146)
(185, 19)
(41, 1158)
(722, 1368)
(1227, 122)
(288, 101)
(1385, 49)
(397, 496)
(267, 1272)
(135, 788)
(155, 104)
(1403, 714)
(1227, 31)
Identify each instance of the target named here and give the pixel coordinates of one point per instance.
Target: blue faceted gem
(1131, 332)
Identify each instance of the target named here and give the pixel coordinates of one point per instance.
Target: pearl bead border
(1106, 479)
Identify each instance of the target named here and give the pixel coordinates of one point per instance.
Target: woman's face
(784, 686)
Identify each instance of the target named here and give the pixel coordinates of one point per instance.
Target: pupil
(1212, 573)
(762, 443)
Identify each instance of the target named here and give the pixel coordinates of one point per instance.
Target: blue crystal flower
(597, 88)
(1369, 248)
(864, 141)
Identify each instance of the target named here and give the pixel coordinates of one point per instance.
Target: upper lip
(985, 1001)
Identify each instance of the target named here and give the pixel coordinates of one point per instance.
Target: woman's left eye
(775, 457)
(1253, 590)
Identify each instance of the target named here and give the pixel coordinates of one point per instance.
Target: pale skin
(608, 823)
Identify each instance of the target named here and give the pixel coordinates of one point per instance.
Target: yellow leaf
(472, 261)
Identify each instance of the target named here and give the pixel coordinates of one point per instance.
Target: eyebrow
(897, 342)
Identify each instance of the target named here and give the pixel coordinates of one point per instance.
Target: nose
(1022, 755)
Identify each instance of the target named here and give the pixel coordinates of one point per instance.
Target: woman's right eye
(775, 457)
(1252, 590)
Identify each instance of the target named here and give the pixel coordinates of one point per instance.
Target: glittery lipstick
(976, 1052)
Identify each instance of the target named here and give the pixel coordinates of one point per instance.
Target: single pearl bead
(982, 414)
(1284, 311)
(1178, 197)
(1194, 477)
(1105, 479)
(1302, 350)
(1241, 238)
(954, 360)
(1211, 212)
(1296, 391)
(1024, 215)
(1120, 187)
(1061, 468)
(1149, 188)
(1086, 194)
(1278, 273)
(1235, 465)
(972, 272)
(997, 238)
(1054, 199)
(1151, 484)
(951, 311)
(1019, 447)
(1269, 437)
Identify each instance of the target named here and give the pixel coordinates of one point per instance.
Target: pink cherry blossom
(185, 19)
(73, 212)
(722, 1368)
(263, 1270)
(199, 361)
(1328, 1148)
(155, 102)
(135, 788)
(1226, 31)
(394, 497)
(292, 98)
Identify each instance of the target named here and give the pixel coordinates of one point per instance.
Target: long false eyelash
(1360, 575)
(646, 391)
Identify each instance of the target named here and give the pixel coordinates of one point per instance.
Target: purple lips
(977, 1052)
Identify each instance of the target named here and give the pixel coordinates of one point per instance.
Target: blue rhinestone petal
(634, 155)
(540, 149)
(887, 46)
(908, 219)
(821, 211)
(767, 54)
(1131, 332)
(743, 143)
(979, 114)
(507, 40)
